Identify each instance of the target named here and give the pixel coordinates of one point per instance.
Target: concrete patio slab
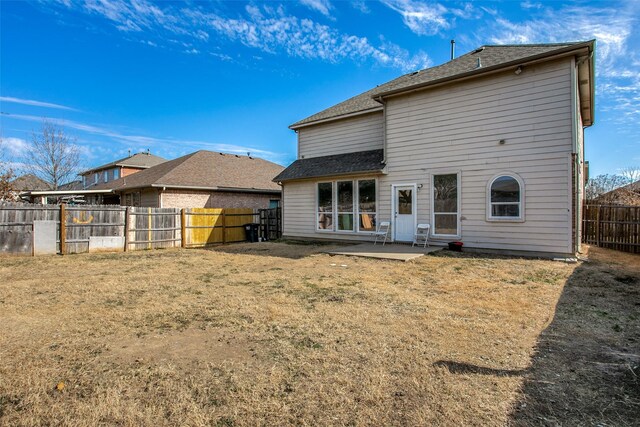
(394, 251)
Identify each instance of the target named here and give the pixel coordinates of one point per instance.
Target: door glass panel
(345, 222)
(367, 222)
(367, 195)
(325, 197)
(345, 196)
(405, 202)
(325, 221)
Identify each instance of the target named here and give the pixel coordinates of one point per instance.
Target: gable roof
(142, 160)
(29, 182)
(490, 57)
(204, 170)
(628, 195)
(334, 165)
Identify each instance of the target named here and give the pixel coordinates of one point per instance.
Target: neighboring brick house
(204, 179)
(120, 168)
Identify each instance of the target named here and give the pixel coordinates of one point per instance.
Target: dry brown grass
(270, 334)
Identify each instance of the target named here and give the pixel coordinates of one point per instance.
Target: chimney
(453, 49)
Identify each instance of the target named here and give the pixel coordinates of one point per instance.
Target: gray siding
(359, 133)
(457, 128)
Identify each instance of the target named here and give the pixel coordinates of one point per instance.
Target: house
(203, 179)
(120, 168)
(628, 195)
(29, 182)
(488, 148)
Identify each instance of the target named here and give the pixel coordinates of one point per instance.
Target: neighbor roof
(142, 160)
(29, 182)
(206, 170)
(491, 58)
(338, 164)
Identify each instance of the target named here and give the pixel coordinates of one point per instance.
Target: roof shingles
(467, 64)
(338, 164)
(204, 170)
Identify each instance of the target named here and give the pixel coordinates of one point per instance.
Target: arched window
(505, 198)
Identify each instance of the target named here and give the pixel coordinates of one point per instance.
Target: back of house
(488, 148)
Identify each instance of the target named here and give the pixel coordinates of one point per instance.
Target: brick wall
(128, 171)
(203, 199)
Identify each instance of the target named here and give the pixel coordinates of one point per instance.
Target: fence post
(224, 227)
(183, 228)
(598, 225)
(126, 228)
(63, 228)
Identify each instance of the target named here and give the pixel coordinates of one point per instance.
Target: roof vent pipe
(479, 63)
(453, 49)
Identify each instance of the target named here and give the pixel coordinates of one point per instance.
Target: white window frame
(105, 176)
(458, 234)
(521, 203)
(334, 205)
(356, 203)
(116, 173)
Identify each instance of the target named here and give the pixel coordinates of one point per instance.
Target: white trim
(414, 206)
(356, 207)
(458, 234)
(333, 207)
(488, 213)
(332, 119)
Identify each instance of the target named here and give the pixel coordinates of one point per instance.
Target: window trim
(356, 206)
(458, 174)
(521, 203)
(333, 206)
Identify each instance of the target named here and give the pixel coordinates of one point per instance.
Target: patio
(395, 251)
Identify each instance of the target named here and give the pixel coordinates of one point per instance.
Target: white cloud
(274, 31)
(17, 147)
(322, 6)
(618, 80)
(266, 28)
(34, 103)
(422, 18)
(360, 5)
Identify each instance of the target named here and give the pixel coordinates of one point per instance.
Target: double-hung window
(346, 206)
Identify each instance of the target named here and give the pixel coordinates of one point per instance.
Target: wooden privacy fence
(612, 227)
(113, 228)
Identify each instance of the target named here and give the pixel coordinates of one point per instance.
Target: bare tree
(54, 156)
(632, 173)
(603, 184)
(6, 174)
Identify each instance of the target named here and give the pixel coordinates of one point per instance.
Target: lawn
(282, 334)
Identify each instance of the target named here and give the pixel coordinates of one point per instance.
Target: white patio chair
(422, 235)
(382, 232)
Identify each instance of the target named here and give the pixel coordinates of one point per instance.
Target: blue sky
(176, 77)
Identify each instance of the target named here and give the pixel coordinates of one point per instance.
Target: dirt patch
(181, 347)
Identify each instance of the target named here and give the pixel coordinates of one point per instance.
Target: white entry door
(404, 211)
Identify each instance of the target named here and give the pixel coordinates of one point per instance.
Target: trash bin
(251, 231)
(455, 246)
